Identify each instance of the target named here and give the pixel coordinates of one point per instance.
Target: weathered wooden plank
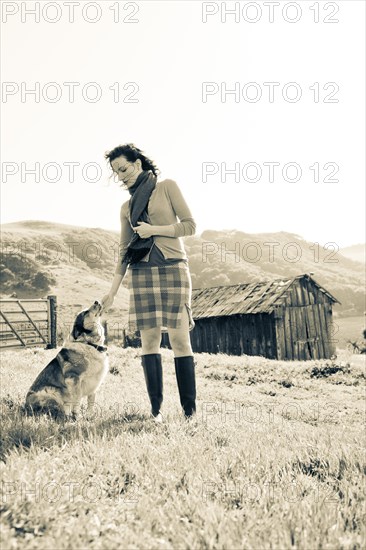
(297, 336)
(226, 336)
(252, 342)
(221, 330)
(314, 291)
(280, 339)
(257, 334)
(221, 334)
(328, 324)
(311, 293)
(202, 328)
(309, 344)
(294, 329)
(245, 326)
(210, 343)
(272, 337)
(255, 342)
(267, 334)
(254, 336)
(246, 338)
(231, 331)
(259, 330)
(237, 334)
(214, 335)
(248, 341)
(324, 330)
(292, 296)
(204, 337)
(304, 292)
(319, 295)
(280, 333)
(264, 334)
(312, 332)
(241, 334)
(199, 335)
(332, 337)
(301, 333)
(207, 336)
(231, 334)
(304, 336)
(267, 344)
(288, 334)
(299, 297)
(318, 328)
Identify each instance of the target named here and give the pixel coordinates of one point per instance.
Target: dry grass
(275, 459)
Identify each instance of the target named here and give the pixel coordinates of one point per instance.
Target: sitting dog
(77, 371)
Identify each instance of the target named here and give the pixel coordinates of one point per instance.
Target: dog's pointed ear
(78, 327)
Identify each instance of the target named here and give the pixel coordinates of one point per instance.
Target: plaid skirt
(158, 296)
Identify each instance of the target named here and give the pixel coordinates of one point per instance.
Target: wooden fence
(25, 323)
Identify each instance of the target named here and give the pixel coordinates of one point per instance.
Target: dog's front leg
(72, 402)
(75, 410)
(70, 412)
(68, 408)
(91, 403)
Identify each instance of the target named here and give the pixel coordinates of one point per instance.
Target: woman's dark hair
(132, 153)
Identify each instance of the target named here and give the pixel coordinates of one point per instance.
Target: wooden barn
(279, 319)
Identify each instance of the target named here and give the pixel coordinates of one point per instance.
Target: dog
(76, 372)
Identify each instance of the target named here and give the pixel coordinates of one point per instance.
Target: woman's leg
(153, 372)
(150, 340)
(179, 337)
(184, 365)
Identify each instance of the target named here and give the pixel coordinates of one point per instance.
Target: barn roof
(260, 297)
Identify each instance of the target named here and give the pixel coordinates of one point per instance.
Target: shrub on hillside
(18, 273)
(43, 281)
(5, 275)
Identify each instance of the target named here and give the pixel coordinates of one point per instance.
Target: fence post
(52, 309)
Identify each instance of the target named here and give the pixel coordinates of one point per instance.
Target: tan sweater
(165, 207)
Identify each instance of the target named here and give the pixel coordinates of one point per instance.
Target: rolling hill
(77, 264)
(356, 252)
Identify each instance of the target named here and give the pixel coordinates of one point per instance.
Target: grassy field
(274, 459)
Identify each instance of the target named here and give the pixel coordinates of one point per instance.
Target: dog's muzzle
(96, 307)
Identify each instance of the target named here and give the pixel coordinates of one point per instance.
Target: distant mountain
(357, 252)
(77, 264)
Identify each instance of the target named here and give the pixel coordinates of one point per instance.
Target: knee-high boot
(153, 373)
(186, 380)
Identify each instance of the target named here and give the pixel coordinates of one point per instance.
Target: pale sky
(169, 53)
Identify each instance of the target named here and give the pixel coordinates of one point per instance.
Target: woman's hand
(107, 301)
(144, 230)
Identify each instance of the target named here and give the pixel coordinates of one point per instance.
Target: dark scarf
(140, 194)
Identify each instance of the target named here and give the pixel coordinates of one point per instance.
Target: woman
(159, 279)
